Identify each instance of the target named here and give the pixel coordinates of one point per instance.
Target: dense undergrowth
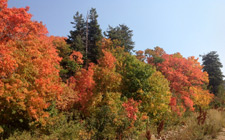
(179, 128)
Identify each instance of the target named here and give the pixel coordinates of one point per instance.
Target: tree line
(90, 85)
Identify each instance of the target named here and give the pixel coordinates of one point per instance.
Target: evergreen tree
(77, 38)
(212, 66)
(94, 36)
(123, 34)
(75, 42)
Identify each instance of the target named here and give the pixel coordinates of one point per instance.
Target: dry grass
(193, 131)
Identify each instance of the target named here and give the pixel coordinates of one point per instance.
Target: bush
(62, 128)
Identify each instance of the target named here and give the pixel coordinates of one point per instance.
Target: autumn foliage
(45, 83)
(29, 68)
(186, 79)
(131, 108)
(83, 84)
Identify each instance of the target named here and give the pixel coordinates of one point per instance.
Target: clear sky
(191, 27)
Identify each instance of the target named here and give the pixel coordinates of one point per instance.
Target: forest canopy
(91, 81)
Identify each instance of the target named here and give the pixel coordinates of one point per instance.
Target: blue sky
(191, 27)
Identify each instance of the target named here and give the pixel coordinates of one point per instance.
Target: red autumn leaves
(29, 65)
(183, 75)
(30, 82)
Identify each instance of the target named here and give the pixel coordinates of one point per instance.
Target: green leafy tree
(142, 82)
(123, 34)
(212, 66)
(109, 117)
(135, 76)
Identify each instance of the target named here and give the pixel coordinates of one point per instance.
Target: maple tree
(183, 74)
(96, 80)
(83, 84)
(108, 109)
(43, 83)
(29, 68)
(3, 4)
(201, 97)
(154, 56)
(156, 98)
(141, 81)
(105, 75)
(131, 108)
(135, 75)
(140, 55)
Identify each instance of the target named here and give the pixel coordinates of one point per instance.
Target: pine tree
(123, 34)
(77, 37)
(75, 42)
(94, 36)
(212, 66)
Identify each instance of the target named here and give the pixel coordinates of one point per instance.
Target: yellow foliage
(157, 100)
(201, 97)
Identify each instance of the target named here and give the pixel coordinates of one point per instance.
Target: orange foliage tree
(105, 76)
(96, 79)
(29, 67)
(131, 108)
(83, 84)
(186, 78)
(140, 55)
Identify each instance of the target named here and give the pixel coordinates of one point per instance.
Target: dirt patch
(221, 135)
